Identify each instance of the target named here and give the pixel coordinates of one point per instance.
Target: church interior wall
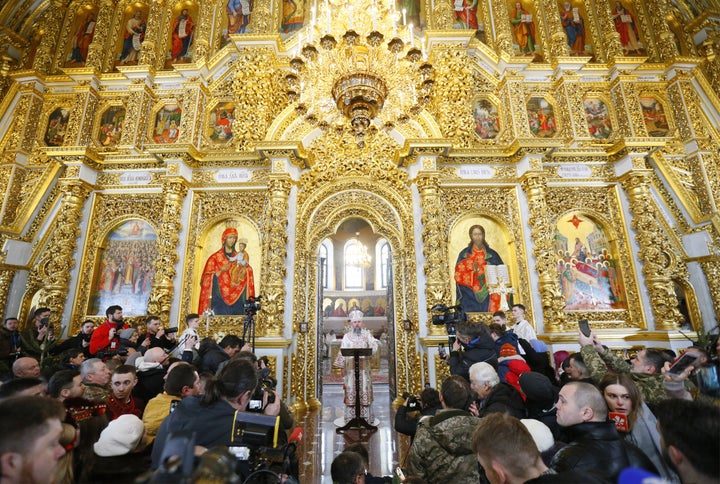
(620, 128)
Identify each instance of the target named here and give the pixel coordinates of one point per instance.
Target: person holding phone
(634, 420)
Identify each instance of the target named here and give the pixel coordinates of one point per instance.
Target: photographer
(415, 408)
(79, 341)
(158, 336)
(473, 344)
(106, 337)
(39, 338)
(212, 415)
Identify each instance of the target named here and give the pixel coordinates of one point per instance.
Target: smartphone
(681, 363)
(400, 474)
(441, 350)
(584, 327)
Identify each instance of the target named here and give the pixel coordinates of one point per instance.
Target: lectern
(356, 423)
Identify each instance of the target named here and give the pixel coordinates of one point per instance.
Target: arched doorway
(355, 277)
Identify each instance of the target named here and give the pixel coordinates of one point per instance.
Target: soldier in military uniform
(442, 449)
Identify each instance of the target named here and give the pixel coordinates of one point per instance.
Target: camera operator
(157, 335)
(39, 337)
(473, 344)
(79, 341)
(212, 415)
(415, 408)
(106, 337)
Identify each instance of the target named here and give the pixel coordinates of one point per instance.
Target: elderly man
(151, 370)
(441, 451)
(26, 367)
(30, 429)
(96, 378)
(595, 445)
(359, 337)
(492, 394)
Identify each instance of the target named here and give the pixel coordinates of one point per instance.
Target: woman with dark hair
(473, 292)
(623, 397)
(212, 415)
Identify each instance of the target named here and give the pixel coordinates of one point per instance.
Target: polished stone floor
(321, 443)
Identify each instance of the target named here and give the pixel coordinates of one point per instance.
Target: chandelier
(356, 254)
(365, 81)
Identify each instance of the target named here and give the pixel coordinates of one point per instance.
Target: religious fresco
(83, 34)
(572, 17)
(182, 34)
(598, 118)
(126, 270)
(229, 265)
(237, 18)
(221, 120)
(541, 117)
(487, 119)
(132, 34)
(587, 265)
(293, 16)
(111, 125)
(522, 23)
(167, 122)
(339, 307)
(55, 130)
(482, 267)
(625, 21)
(465, 14)
(654, 116)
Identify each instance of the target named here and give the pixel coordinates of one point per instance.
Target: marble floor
(321, 443)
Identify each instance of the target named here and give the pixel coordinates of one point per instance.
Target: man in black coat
(473, 344)
(595, 445)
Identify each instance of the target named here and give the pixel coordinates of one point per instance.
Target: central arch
(390, 217)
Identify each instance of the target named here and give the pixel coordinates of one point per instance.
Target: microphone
(296, 436)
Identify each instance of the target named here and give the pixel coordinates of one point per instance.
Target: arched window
(382, 260)
(354, 256)
(325, 258)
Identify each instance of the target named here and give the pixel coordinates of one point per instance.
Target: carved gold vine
(654, 252)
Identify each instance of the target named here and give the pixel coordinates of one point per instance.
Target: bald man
(26, 367)
(151, 370)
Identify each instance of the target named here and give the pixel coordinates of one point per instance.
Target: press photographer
(473, 344)
(157, 335)
(106, 337)
(415, 408)
(212, 416)
(450, 316)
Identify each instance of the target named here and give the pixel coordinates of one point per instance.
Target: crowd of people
(113, 403)
(505, 415)
(102, 405)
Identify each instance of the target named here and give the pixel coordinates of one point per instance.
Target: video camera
(256, 400)
(252, 306)
(413, 403)
(449, 316)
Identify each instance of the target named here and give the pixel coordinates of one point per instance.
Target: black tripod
(249, 329)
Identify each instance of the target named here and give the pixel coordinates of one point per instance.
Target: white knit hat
(120, 437)
(540, 432)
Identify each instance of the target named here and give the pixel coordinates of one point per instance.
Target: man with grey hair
(493, 396)
(151, 374)
(595, 445)
(26, 367)
(96, 378)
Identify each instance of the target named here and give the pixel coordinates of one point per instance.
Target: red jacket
(100, 339)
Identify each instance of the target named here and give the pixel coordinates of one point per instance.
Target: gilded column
(434, 237)
(625, 97)
(203, 41)
(51, 273)
(6, 63)
(151, 46)
(98, 57)
(174, 190)
(654, 251)
(52, 22)
(610, 44)
(534, 184)
(138, 108)
(79, 128)
(276, 253)
(503, 31)
(710, 48)
(702, 154)
(6, 277)
(665, 47)
(711, 268)
(443, 16)
(558, 46)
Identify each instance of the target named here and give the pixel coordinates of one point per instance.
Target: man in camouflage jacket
(442, 449)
